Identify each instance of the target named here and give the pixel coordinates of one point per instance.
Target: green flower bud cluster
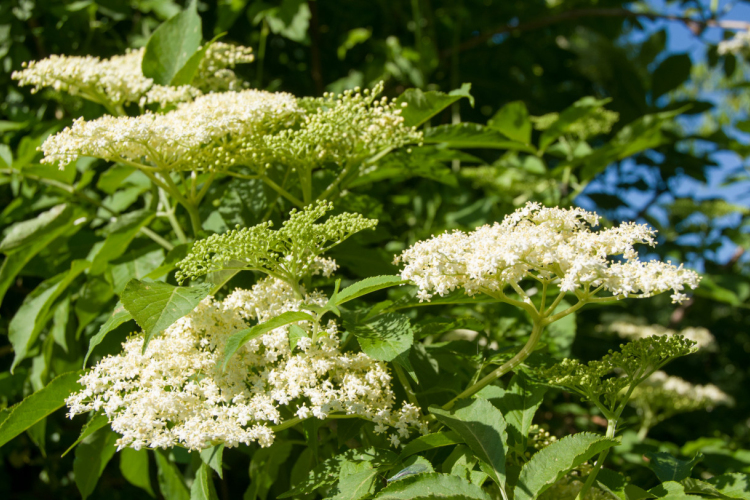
(609, 382)
(288, 254)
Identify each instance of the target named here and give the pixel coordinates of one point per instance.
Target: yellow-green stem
(611, 427)
(407, 386)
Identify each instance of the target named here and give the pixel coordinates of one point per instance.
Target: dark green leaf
(92, 456)
(670, 74)
(384, 337)
(512, 120)
(264, 469)
(614, 483)
(134, 468)
(430, 441)
(93, 425)
(172, 45)
(212, 456)
(440, 486)
(28, 322)
(580, 110)
(171, 482)
(550, 464)
(119, 235)
(482, 427)
(735, 485)
(117, 318)
(155, 306)
(668, 468)
(25, 233)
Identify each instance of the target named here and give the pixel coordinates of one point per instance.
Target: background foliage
(677, 116)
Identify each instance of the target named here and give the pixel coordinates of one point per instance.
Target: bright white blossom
(550, 244)
(119, 80)
(196, 135)
(735, 45)
(632, 331)
(176, 393)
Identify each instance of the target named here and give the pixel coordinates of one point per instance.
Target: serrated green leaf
(668, 468)
(614, 483)
(367, 285)
(240, 338)
(384, 337)
(421, 106)
(512, 120)
(550, 464)
(23, 234)
(38, 405)
(93, 425)
(134, 264)
(295, 334)
(31, 317)
(702, 488)
(134, 468)
(155, 306)
(441, 486)
(472, 135)
(203, 485)
(28, 242)
(92, 456)
(119, 235)
(171, 482)
(212, 456)
(430, 441)
(483, 429)
(172, 45)
(580, 110)
(95, 294)
(357, 485)
(119, 316)
(734, 485)
(60, 323)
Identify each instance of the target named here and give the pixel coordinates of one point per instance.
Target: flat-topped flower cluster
(633, 331)
(176, 393)
(119, 80)
(551, 245)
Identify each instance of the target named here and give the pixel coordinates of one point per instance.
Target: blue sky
(681, 40)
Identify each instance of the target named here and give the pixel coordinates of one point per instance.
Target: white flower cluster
(664, 395)
(176, 394)
(550, 244)
(737, 44)
(633, 331)
(119, 79)
(196, 135)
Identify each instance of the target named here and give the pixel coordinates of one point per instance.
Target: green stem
(283, 192)
(169, 210)
(407, 386)
(611, 427)
(536, 334)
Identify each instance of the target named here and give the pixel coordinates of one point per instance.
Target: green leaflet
(441, 486)
(155, 306)
(119, 235)
(518, 404)
(134, 468)
(615, 484)
(212, 457)
(430, 441)
(483, 428)
(28, 322)
(203, 486)
(240, 338)
(172, 45)
(670, 73)
(512, 120)
(384, 337)
(264, 469)
(551, 463)
(295, 334)
(92, 456)
(26, 233)
(93, 425)
(569, 117)
(421, 106)
(171, 482)
(668, 468)
(38, 405)
(472, 135)
(367, 285)
(735, 485)
(357, 485)
(115, 319)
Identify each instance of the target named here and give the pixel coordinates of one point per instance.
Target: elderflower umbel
(196, 135)
(119, 79)
(550, 244)
(664, 395)
(176, 393)
(739, 43)
(632, 331)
